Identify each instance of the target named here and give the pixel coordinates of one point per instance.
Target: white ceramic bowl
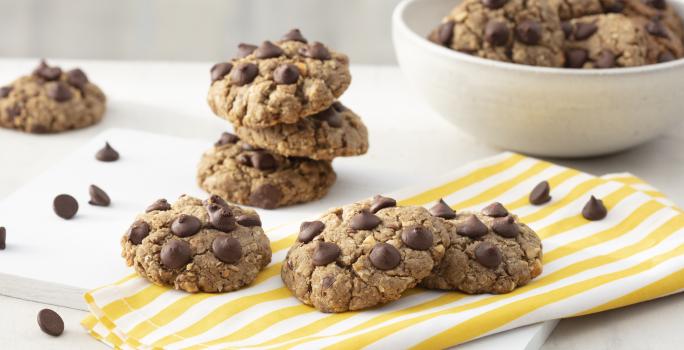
(541, 111)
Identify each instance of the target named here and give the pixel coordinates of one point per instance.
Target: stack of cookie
(281, 98)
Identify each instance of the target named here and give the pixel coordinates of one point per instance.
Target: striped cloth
(635, 254)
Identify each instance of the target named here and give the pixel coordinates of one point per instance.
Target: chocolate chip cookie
(335, 132)
(363, 254)
(197, 246)
(51, 100)
(489, 252)
(279, 82)
(248, 175)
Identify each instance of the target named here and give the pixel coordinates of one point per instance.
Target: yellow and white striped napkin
(635, 254)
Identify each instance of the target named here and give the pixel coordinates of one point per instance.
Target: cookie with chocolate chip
(363, 254)
(245, 174)
(488, 252)
(51, 100)
(278, 82)
(197, 246)
(334, 132)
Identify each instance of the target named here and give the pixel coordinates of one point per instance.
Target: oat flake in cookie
(352, 259)
(196, 246)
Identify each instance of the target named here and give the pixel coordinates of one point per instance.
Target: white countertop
(406, 138)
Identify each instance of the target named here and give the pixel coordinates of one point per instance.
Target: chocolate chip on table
(266, 196)
(138, 231)
(77, 78)
(244, 73)
(316, 50)
(245, 50)
(584, 30)
(58, 91)
(657, 28)
(185, 225)
(417, 237)
(567, 29)
(594, 209)
(529, 32)
(665, 56)
(294, 35)
(494, 4)
(226, 249)
(46, 72)
(268, 50)
(488, 255)
(384, 256)
(657, 4)
(442, 210)
(160, 204)
(330, 116)
(286, 74)
(220, 70)
(379, 202)
(308, 230)
(496, 33)
(472, 227)
(175, 254)
(50, 322)
(605, 59)
(65, 206)
(5, 91)
(445, 32)
(227, 138)
(3, 238)
(98, 196)
(540, 193)
(364, 220)
(107, 154)
(325, 253)
(264, 161)
(506, 227)
(221, 218)
(248, 220)
(495, 210)
(576, 58)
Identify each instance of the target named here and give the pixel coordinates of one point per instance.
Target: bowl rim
(399, 24)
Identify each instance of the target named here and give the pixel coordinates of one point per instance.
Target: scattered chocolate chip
(364, 220)
(226, 138)
(576, 58)
(529, 32)
(5, 91)
(46, 72)
(327, 281)
(310, 229)
(540, 193)
(3, 237)
(495, 210)
(494, 4)
(294, 35)
(665, 56)
(248, 220)
(245, 50)
(380, 202)
(107, 154)
(584, 30)
(65, 206)
(472, 227)
(185, 225)
(98, 196)
(221, 218)
(286, 74)
(244, 73)
(244, 159)
(138, 231)
(488, 255)
(58, 91)
(330, 116)
(316, 50)
(657, 28)
(268, 50)
(656, 4)
(226, 249)
(506, 227)
(605, 59)
(266, 196)
(50, 322)
(175, 254)
(264, 161)
(442, 210)
(594, 209)
(567, 29)
(445, 33)
(417, 237)
(617, 6)
(384, 256)
(220, 70)
(77, 78)
(160, 204)
(325, 253)
(496, 33)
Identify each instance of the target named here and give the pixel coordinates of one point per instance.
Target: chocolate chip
(339, 107)
(472, 227)
(264, 161)
(657, 28)
(665, 56)
(244, 73)
(384, 256)
(226, 138)
(286, 74)
(594, 209)
(567, 29)
(226, 249)
(175, 254)
(442, 210)
(617, 6)
(488, 255)
(330, 116)
(445, 33)
(107, 154)
(417, 237)
(244, 159)
(380, 202)
(50, 322)
(506, 227)
(245, 50)
(494, 4)
(308, 230)
(248, 220)
(364, 220)
(529, 32)
(325, 253)
(656, 4)
(185, 225)
(77, 78)
(3, 237)
(540, 193)
(584, 30)
(496, 33)
(138, 231)
(98, 196)
(495, 210)
(46, 72)
(268, 50)
(65, 206)
(220, 70)
(58, 91)
(605, 59)
(160, 204)
(327, 281)
(294, 35)
(576, 58)
(221, 218)
(266, 196)
(5, 91)
(316, 50)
